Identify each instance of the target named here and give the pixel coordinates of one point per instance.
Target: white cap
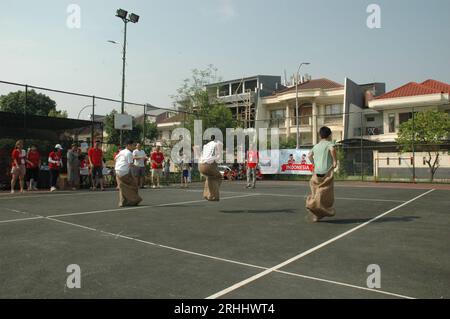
(59, 146)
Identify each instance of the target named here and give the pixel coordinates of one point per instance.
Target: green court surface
(252, 244)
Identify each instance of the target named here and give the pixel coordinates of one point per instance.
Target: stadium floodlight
(122, 13)
(133, 18)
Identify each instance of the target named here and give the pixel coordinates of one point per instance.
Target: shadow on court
(363, 220)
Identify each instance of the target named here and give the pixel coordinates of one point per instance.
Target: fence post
(413, 147)
(92, 121)
(25, 113)
(143, 128)
(361, 146)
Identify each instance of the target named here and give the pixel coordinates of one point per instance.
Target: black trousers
(54, 173)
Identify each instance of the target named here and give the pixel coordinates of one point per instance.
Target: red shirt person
(55, 164)
(18, 157)
(157, 158)
(95, 155)
(33, 164)
(252, 163)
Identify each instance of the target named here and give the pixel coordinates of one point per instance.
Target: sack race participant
(323, 155)
(208, 168)
(128, 188)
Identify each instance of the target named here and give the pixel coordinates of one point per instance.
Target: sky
(239, 37)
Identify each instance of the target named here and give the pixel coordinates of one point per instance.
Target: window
(224, 90)
(371, 119)
(334, 109)
(251, 85)
(277, 118)
(404, 117)
(391, 121)
(237, 88)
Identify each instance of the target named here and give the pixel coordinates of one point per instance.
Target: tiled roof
(322, 83)
(441, 86)
(174, 119)
(414, 89)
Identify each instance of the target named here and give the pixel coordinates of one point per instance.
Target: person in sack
(211, 155)
(319, 203)
(128, 188)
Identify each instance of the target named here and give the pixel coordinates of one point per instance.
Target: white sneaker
(154, 186)
(12, 192)
(35, 188)
(52, 189)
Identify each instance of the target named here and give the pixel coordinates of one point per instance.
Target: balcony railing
(369, 131)
(277, 123)
(332, 119)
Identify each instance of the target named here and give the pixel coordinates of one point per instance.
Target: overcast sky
(240, 37)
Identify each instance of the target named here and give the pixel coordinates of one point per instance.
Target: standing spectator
(138, 171)
(73, 166)
(128, 189)
(95, 155)
(33, 165)
(167, 170)
(185, 174)
(84, 171)
(252, 163)
(208, 167)
(55, 164)
(18, 170)
(157, 159)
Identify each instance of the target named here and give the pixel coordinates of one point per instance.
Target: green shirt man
(323, 154)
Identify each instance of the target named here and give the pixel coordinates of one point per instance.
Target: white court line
(340, 198)
(343, 284)
(20, 219)
(309, 251)
(130, 208)
(119, 235)
(59, 194)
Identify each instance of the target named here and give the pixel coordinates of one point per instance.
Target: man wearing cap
(73, 166)
(128, 188)
(157, 158)
(95, 155)
(55, 163)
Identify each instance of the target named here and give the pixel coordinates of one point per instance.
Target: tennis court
(251, 244)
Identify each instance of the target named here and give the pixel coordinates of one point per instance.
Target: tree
(426, 131)
(193, 99)
(36, 104)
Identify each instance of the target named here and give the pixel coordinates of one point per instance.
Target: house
(396, 107)
(242, 95)
(321, 102)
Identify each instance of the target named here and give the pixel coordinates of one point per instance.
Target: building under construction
(242, 95)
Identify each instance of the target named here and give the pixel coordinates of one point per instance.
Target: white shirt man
(211, 153)
(124, 160)
(139, 157)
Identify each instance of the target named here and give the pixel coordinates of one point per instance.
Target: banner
(286, 162)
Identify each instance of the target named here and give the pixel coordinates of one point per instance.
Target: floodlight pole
(123, 74)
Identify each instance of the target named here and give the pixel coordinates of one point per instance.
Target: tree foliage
(426, 131)
(36, 104)
(193, 99)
